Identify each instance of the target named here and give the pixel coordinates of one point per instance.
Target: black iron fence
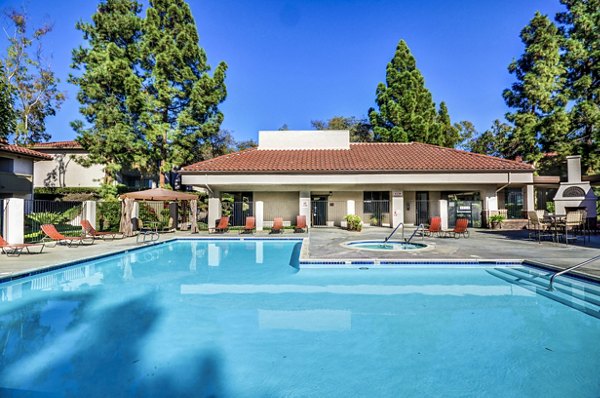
(66, 216)
(237, 212)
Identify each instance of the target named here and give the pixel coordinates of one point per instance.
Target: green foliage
(537, 95)
(354, 222)
(497, 218)
(360, 129)
(449, 135)
(181, 98)
(110, 191)
(147, 213)
(108, 215)
(7, 113)
(64, 190)
(492, 141)
(34, 89)
(222, 144)
(110, 88)
(406, 109)
(581, 57)
(550, 207)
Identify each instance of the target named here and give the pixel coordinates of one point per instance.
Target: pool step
(575, 294)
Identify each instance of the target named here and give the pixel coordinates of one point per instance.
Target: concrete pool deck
(327, 244)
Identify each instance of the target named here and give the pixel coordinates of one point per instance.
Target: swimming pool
(238, 318)
(380, 245)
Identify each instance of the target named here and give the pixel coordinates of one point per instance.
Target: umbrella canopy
(158, 194)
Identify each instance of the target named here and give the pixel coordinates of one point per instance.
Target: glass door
(422, 208)
(319, 210)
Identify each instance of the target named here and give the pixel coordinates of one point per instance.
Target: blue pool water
(235, 319)
(385, 246)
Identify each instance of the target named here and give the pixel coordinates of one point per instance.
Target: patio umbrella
(194, 210)
(158, 194)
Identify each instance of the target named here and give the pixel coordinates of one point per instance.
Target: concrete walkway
(326, 243)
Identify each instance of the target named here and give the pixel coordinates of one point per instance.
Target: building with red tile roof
(17, 170)
(322, 175)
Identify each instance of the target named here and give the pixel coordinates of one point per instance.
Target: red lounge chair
(54, 235)
(16, 249)
(460, 228)
(223, 225)
(435, 226)
(277, 227)
(250, 226)
(89, 230)
(300, 224)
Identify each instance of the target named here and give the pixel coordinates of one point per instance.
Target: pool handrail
(394, 231)
(419, 227)
(556, 274)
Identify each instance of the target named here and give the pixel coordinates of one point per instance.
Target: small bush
(354, 222)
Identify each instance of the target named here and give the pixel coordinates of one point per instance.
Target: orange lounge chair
(460, 228)
(222, 227)
(300, 224)
(55, 236)
(277, 227)
(250, 226)
(435, 226)
(16, 249)
(89, 230)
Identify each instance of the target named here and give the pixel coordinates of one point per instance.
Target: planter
(496, 224)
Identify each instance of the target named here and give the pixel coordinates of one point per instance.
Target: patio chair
(460, 228)
(52, 233)
(277, 227)
(538, 227)
(89, 230)
(573, 222)
(222, 227)
(148, 231)
(300, 224)
(16, 249)
(435, 227)
(250, 226)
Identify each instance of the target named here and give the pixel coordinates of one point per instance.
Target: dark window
(376, 201)
(7, 165)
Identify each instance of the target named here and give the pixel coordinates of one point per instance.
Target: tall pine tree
(7, 114)
(406, 109)
(109, 88)
(181, 97)
(580, 24)
(536, 95)
(449, 135)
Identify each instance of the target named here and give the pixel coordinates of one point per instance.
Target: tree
(360, 129)
(449, 135)
(7, 114)
(222, 144)
(31, 81)
(537, 95)
(491, 142)
(109, 87)
(182, 99)
(406, 109)
(581, 56)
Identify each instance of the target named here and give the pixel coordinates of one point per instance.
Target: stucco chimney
(574, 169)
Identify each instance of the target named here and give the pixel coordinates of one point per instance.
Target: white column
(89, 212)
(135, 216)
(530, 198)
(397, 208)
(14, 219)
(214, 211)
(444, 213)
(258, 214)
(491, 200)
(305, 206)
(351, 207)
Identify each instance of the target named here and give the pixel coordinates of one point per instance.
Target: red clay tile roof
(57, 144)
(360, 158)
(19, 150)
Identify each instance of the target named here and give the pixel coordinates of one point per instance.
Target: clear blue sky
(295, 61)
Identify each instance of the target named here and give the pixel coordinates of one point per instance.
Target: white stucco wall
(303, 139)
(64, 171)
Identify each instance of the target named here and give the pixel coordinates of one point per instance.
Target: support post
(135, 216)
(530, 199)
(444, 213)
(397, 208)
(214, 211)
(89, 212)
(305, 206)
(258, 214)
(14, 218)
(351, 207)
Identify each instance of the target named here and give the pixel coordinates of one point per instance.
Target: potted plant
(354, 222)
(496, 221)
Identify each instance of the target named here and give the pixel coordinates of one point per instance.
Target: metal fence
(3, 205)
(237, 212)
(374, 212)
(66, 216)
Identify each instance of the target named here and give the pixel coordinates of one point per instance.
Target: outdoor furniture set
(568, 227)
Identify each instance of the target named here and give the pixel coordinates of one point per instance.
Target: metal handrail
(556, 274)
(394, 231)
(422, 228)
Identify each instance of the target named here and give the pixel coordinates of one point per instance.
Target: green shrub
(108, 216)
(354, 222)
